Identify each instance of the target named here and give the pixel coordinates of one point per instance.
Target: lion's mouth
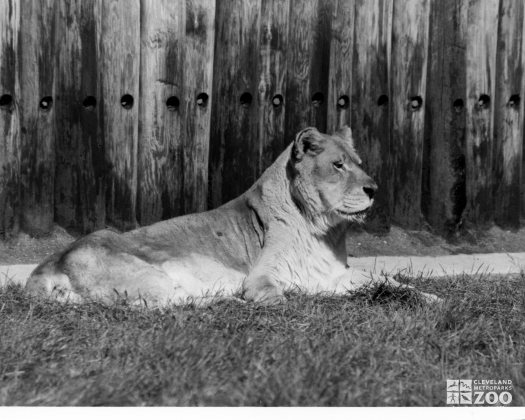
(352, 213)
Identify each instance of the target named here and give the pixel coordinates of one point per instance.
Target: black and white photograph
(262, 203)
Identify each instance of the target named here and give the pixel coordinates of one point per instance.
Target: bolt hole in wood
(89, 103)
(6, 101)
(172, 103)
(415, 103)
(483, 101)
(382, 100)
(458, 105)
(277, 100)
(127, 101)
(514, 101)
(246, 99)
(46, 103)
(317, 99)
(343, 102)
(202, 99)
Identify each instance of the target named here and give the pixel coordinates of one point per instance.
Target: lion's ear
(346, 134)
(308, 141)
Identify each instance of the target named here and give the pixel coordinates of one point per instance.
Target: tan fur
(287, 230)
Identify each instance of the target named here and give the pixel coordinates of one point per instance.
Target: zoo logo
(479, 391)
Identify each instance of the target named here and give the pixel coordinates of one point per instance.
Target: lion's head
(327, 182)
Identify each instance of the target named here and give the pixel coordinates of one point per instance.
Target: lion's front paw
(430, 298)
(269, 300)
(265, 296)
(263, 291)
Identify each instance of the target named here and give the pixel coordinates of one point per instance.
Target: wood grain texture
(434, 92)
(271, 73)
(160, 148)
(509, 114)
(408, 72)
(38, 48)
(370, 120)
(308, 60)
(79, 175)
(119, 72)
(197, 79)
(341, 61)
(482, 32)
(92, 163)
(444, 197)
(9, 118)
(234, 145)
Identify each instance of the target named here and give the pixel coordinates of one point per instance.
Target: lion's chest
(321, 265)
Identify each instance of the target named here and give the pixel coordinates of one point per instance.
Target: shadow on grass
(379, 346)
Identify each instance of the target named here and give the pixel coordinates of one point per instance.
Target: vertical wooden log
(341, 60)
(370, 102)
(92, 162)
(67, 112)
(408, 69)
(37, 83)
(509, 114)
(234, 147)
(197, 83)
(481, 67)
(160, 172)
(308, 61)
(79, 175)
(119, 67)
(444, 161)
(271, 88)
(9, 118)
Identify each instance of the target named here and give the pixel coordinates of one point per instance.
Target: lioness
(287, 230)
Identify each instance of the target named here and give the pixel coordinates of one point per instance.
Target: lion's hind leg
(100, 274)
(92, 272)
(48, 281)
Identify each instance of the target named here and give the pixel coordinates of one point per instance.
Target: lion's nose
(370, 190)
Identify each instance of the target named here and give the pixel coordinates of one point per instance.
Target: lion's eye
(338, 165)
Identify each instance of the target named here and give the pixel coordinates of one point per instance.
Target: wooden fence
(126, 112)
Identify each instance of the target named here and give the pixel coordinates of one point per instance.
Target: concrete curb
(441, 266)
(17, 274)
(445, 265)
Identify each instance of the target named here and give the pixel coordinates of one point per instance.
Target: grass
(379, 347)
